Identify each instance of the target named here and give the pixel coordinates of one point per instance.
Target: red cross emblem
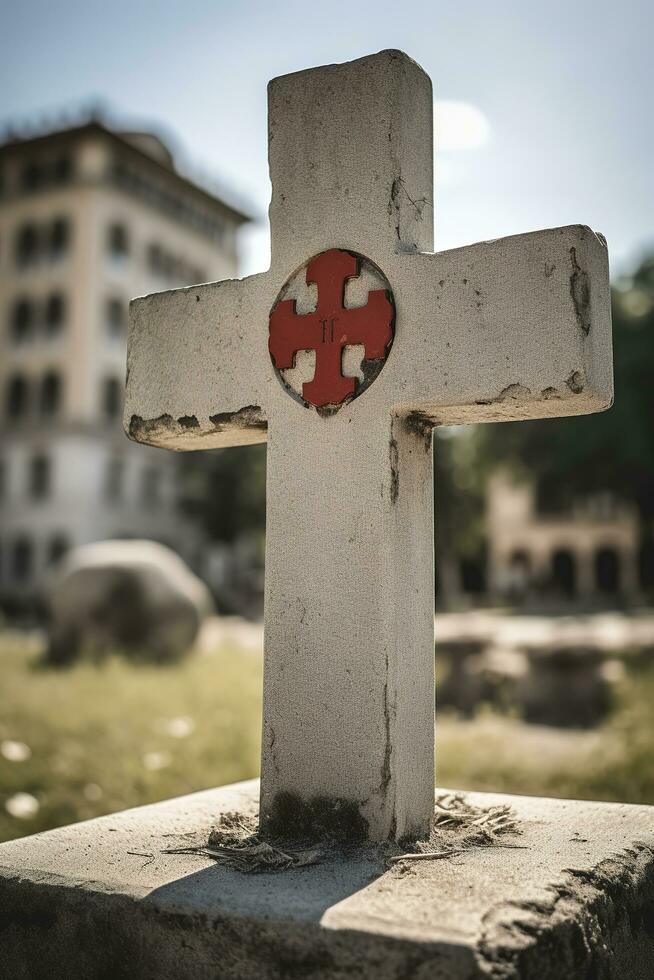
(332, 327)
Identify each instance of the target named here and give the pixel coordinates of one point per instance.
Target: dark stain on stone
(388, 748)
(326, 411)
(189, 421)
(514, 391)
(422, 424)
(549, 269)
(549, 393)
(370, 370)
(249, 416)
(576, 382)
(580, 293)
(322, 817)
(394, 457)
(142, 429)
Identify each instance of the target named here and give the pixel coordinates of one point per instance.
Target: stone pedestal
(102, 900)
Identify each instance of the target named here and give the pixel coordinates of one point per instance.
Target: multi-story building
(89, 218)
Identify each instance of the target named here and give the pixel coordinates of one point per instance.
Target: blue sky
(556, 128)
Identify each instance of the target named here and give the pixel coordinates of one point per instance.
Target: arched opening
(646, 565)
(55, 314)
(40, 474)
(17, 397)
(607, 571)
(564, 573)
(22, 559)
(22, 320)
(51, 388)
(26, 245)
(519, 571)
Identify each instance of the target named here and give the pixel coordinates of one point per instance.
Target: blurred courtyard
(99, 737)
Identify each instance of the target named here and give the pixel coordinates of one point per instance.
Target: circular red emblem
(331, 329)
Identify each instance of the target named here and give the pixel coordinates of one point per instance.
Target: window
(59, 238)
(114, 479)
(154, 258)
(39, 478)
(26, 246)
(118, 241)
(57, 548)
(16, 397)
(21, 559)
(22, 320)
(50, 401)
(32, 176)
(111, 398)
(62, 170)
(55, 314)
(116, 317)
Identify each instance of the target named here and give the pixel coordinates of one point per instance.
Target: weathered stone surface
(101, 900)
(137, 597)
(511, 329)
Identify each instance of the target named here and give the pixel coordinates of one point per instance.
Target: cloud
(459, 126)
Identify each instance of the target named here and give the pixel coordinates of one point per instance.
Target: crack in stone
(394, 456)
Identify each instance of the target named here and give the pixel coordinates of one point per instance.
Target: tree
(225, 490)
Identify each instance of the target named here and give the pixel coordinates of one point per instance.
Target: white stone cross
(517, 328)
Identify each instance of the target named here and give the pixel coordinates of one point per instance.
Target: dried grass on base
(236, 843)
(458, 826)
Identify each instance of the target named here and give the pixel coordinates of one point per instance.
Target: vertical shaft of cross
(348, 683)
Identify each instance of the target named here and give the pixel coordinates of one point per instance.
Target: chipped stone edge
(573, 918)
(244, 426)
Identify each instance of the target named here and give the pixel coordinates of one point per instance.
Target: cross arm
(195, 374)
(517, 328)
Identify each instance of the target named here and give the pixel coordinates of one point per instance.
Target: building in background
(89, 218)
(590, 554)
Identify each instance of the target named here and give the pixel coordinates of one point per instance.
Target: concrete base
(101, 900)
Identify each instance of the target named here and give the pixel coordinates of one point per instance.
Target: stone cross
(344, 356)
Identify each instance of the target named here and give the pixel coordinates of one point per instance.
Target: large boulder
(134, 597)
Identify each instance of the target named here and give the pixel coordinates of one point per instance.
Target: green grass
(93, 725)
(91, 728)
